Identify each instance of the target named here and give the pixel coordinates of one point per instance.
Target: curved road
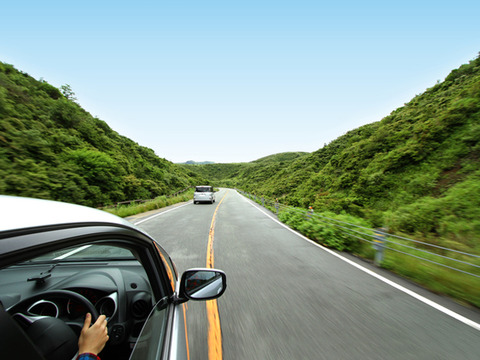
(288, 298)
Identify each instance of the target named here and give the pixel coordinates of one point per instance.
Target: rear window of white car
(204, 189)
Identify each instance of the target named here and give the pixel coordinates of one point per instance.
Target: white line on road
(161, 213)
(413, 294)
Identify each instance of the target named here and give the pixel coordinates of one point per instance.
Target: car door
(164, 334)
(118, 265)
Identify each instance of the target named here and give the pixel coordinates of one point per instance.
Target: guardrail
(140, 201)
(381, 240)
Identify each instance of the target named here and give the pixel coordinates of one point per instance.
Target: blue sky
(233, 81)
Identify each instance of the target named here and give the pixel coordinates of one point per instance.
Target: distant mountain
(191, 162)
(52, 148)
(286, 156)
(231, 175)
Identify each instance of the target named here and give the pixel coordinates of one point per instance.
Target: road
(288, 298)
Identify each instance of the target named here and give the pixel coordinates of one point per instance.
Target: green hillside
(52, 148)
(279, 158)
(191, 162)
(417, 170)
(232, 175)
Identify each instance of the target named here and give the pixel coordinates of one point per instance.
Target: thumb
(88, 321)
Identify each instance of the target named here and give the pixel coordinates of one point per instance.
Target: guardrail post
(310, 212)
(277, 205)
(379, 245)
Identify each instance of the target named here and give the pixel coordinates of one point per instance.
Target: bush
(454, 216)
(324, 228)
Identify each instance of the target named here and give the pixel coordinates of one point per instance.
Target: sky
(233, 81)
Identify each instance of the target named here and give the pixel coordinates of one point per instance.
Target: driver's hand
(93, 338)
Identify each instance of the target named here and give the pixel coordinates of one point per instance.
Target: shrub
(325, 228)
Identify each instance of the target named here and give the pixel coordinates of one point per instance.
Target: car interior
(63, 285)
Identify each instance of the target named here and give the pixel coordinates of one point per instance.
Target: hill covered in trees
(231, 175)
(52, 148)
(417, 170)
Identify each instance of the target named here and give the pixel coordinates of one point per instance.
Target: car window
(204, 189)
(151, 340)
(91, 252)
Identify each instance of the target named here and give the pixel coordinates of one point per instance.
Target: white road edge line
(413, 294)
(161, 213)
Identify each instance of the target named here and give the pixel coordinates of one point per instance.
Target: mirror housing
(202, 284)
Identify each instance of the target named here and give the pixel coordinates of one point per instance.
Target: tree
(68, 92)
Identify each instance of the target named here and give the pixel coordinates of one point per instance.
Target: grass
(437, 278)
(157, 203)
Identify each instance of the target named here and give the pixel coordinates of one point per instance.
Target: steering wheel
(52, 336)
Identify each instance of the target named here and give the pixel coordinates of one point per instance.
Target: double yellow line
(214, 328)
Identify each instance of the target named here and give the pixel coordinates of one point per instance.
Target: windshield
(86, 253)
(203, 189)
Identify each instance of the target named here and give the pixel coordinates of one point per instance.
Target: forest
(51, 148)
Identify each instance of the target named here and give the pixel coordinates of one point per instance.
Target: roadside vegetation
(124, 210)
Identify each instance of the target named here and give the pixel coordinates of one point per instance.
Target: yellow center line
(185, 308)
(214, 328)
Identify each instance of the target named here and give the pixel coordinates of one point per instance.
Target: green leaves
(326, 232)
(68, 92)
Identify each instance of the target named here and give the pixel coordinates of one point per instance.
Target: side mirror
(202, 284)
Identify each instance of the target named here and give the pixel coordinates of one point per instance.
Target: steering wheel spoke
(27, 320)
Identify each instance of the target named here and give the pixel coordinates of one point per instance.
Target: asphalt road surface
(288, 298)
